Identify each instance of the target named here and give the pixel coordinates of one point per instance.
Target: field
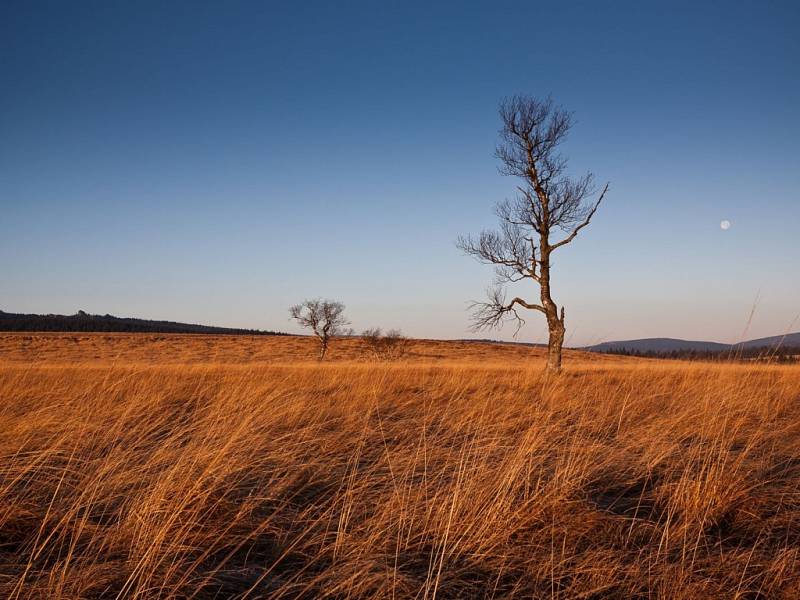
(168, 466)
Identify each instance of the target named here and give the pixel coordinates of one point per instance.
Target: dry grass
(116, 348)
(212, 467)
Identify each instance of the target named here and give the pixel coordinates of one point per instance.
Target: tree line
(85, 322)
(779, 355)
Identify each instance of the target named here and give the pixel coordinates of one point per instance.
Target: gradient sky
(217, 162)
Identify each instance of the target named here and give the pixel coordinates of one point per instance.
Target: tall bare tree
(547, 202)
(325, 318)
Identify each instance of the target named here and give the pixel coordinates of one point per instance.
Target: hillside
(790, 340)
(136, 348)
(666, 345)
(658, 345)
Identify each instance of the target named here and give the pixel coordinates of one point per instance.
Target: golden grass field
(168, 466)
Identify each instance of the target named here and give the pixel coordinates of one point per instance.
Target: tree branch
(492, 314)
(585, 222)
(508, 250)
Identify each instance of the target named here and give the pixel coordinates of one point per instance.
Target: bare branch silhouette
(496, 311)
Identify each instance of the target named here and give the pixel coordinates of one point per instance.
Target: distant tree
(325, 318)
(547, 201)
(385, 346)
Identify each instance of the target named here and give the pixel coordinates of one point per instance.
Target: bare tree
(547, 201)
(324, 317)
(391, 345)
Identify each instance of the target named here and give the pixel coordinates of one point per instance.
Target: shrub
(391, 345)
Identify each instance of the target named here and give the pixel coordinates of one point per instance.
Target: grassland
(139, 466)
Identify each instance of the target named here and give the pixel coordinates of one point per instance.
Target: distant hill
(790, 339)
(85, 322)
(665, 345)
(658, 345)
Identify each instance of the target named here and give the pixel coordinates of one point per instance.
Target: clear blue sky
(217, 162)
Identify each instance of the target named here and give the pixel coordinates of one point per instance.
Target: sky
(217, 162)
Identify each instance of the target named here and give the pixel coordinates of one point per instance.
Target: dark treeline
(84, 322)
(782, 354)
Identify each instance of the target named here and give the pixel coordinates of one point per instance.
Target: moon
(725, 224)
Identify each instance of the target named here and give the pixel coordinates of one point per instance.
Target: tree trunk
(554, 344)
(323, 348)
(555, 324)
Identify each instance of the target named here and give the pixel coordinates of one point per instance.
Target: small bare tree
(547, 201)
(385, 346)
(323, 317)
